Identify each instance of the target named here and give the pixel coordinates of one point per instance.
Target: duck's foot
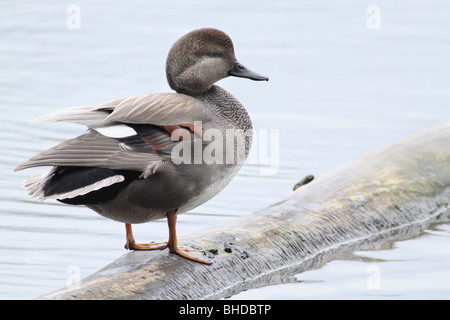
(163, 245)
(171, 244)
(131, 245)
(182, 253)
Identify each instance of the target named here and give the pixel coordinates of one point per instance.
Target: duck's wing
(90, 116)
(93, 150)
(126, 134)
(157, 108)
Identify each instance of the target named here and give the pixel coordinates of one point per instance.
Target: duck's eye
(213, 54)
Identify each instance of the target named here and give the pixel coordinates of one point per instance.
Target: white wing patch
(116, 131)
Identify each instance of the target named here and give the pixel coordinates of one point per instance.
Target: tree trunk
(383, 196)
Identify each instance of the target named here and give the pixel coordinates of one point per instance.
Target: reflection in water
(372, 269)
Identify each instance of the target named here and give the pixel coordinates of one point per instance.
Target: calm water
(337, 90)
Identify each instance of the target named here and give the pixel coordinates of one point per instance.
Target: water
(337, 90)
(407, 269)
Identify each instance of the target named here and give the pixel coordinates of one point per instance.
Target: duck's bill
(239, 70)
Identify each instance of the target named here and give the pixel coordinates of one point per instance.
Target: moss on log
(382, 196)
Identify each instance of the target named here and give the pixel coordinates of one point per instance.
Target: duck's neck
(224, 103)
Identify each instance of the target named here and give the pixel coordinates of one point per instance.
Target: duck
(154, 155)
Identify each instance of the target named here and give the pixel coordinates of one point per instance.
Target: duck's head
(201, 58)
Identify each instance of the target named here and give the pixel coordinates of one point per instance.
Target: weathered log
(382, 196)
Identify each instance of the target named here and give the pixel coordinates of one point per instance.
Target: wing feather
(157, 108)
(161, 109)
(92, 150)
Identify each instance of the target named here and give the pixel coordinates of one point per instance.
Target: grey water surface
(346, 78)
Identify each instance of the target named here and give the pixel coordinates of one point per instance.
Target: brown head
(202, 57)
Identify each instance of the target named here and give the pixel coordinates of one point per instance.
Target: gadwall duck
(154, 155)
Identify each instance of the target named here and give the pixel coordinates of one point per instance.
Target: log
(383, 196)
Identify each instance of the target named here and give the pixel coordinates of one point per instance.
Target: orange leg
(132, 245)
(172, 244)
